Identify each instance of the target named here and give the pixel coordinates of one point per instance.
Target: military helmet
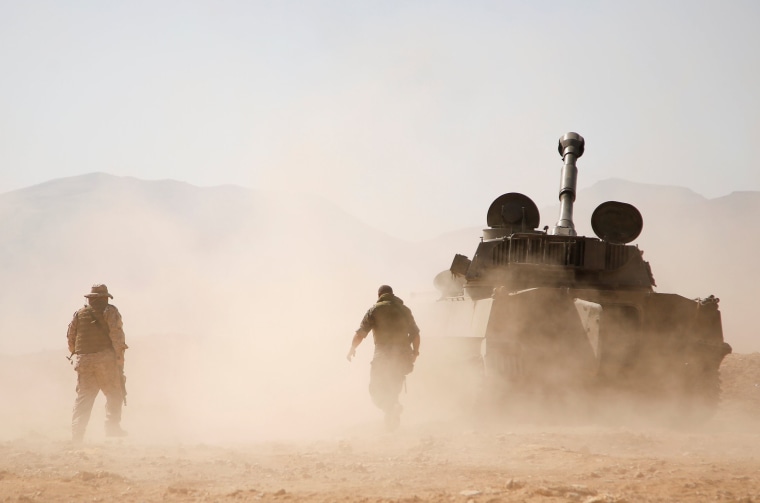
(98, 290)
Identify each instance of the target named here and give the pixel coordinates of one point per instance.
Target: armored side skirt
(651, 345)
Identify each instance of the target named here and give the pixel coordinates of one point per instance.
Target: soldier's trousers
(386, 378)
(97, 372)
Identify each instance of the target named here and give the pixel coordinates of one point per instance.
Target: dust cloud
(239, 388)
(264, 363)
(238, 309)
(238, 312)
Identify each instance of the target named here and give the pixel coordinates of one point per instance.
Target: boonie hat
(98, 290)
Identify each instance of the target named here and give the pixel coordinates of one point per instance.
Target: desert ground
(425, 460)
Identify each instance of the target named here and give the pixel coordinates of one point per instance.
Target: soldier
(397, 345)
(96, 337)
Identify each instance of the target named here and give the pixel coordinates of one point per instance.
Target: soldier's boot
(113, 414)
(114, 430)
(77, 437)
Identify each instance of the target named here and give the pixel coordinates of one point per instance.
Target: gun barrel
(570, 148)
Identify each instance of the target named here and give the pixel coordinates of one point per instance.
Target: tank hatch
(509, 213)
(616, 222)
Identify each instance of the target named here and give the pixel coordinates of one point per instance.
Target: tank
(546, 319)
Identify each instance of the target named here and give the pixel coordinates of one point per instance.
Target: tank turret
(514, 255)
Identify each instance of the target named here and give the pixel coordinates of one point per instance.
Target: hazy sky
(412, 115)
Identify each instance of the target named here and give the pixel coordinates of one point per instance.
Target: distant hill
(227, 260)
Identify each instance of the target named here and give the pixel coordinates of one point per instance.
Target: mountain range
(216, 261)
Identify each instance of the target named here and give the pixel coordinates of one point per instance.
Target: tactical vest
(92, 335)
(391, 324)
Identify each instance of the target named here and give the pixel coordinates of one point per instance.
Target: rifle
(124, 386)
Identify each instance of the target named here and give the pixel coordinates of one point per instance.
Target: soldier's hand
(351, 354)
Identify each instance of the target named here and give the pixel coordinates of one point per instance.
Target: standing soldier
(96, 337)
(397, 345)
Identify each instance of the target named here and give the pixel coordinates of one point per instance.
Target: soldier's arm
(414, 334)
(358, 338)
(116, 330)
(415, 340)
(364, 327)
(71, 333)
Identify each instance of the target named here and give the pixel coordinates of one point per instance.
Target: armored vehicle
(549, 317)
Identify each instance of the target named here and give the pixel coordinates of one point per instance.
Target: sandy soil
(423, 461)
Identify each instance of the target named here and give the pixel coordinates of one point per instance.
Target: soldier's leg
(87, 390)
(109, 379)
(396, 379)
(381, 384)
(395, 383)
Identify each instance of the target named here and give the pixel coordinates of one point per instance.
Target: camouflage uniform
(395, 332)
(97, 339)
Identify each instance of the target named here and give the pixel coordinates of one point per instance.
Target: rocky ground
(424, 461)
